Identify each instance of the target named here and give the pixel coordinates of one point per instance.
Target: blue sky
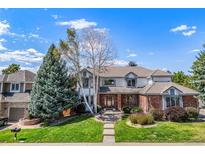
(155, 38)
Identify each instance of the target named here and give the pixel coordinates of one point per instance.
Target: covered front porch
(117, 101)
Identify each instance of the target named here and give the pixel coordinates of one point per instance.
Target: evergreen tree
(198, 71)
(51, 91)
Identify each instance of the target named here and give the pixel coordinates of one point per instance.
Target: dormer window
(109, 82)
(172, 91)
(15, 87)
(131, 82)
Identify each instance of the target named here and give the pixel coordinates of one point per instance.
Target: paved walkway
(109, 133)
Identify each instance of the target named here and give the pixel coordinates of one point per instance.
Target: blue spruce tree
(52, 90)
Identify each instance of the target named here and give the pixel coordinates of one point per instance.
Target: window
(131, 82)
(0, 87)
(85, 83)
(15, 87)
(172, 91)
(172, 100)
(84, 74)
(109, 82)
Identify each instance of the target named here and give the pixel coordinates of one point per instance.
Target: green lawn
(164, 132)
(81, 129)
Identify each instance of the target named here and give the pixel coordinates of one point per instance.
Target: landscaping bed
(164, 132)
(79, 129)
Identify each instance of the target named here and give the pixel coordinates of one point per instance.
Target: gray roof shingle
(122, 71)
(20, 76)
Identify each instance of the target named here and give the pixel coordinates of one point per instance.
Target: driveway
(11, 124)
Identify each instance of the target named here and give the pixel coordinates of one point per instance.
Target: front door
(109, 101)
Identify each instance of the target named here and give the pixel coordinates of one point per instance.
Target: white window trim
(15, 90)
(164, 101)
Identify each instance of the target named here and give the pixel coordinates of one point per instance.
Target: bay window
(172, 99)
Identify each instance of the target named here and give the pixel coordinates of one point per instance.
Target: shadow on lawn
(71, 120)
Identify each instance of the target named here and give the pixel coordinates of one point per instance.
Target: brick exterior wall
(190, 101)
(155, 102)
(143, 103)
(132, 103)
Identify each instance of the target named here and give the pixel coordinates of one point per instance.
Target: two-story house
(15, 94)
(137, 86)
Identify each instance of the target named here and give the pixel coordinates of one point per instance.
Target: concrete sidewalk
(102, 144)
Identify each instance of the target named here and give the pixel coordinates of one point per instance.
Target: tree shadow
(72, 119)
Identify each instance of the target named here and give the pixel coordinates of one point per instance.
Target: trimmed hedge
(136, 110)
(141, 118)
(127, 109)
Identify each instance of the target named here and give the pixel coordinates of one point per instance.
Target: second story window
(131, 82)
(15, 87)
(85, 83)
(109, 82)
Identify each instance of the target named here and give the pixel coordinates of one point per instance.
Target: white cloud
(55, 16)
(185, 30)
(151, 53)
(189, 33)
(132, 55)
(4, 27)
(31, 35)
(180, 28)
(25, 56)
(2, 47)
(119, 62)
(194, 51)
(77, 24)
(101, 30)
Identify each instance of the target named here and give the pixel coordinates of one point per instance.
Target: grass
(81, 129)
(164, 132)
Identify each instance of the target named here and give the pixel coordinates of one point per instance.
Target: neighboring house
(137, 86)
(15, 94)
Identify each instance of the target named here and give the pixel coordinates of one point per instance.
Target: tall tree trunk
(85, 99)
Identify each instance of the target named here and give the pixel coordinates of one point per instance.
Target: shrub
(127, 109)
(141, 118)
(176, 114)
(136, 110)
(80, 108)
(191, 112)
(157, 114)
(99, 108)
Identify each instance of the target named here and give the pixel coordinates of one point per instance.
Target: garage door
(16, 113)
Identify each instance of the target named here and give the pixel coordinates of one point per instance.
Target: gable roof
(122, 71)
(160, 73)
(160, 87)
(20, 76)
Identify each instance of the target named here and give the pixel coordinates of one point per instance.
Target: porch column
(98, 99)
(119, 102)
